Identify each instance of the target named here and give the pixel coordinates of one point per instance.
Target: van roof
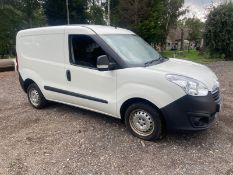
(98, 29)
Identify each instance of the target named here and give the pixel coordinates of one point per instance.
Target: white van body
(44, 58)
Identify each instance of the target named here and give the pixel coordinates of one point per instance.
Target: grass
(7, 57)
(191, 55)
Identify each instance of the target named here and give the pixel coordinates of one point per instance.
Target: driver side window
(84, 51)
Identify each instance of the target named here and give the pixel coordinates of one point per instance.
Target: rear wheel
(35, 96)
(143, 121)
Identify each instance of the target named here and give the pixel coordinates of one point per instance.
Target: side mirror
(103, 63)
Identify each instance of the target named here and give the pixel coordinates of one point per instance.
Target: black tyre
(143, 121)
(35, 96)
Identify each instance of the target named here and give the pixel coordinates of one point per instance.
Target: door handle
(68, 75)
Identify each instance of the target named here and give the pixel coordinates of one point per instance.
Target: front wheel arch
(131, 101)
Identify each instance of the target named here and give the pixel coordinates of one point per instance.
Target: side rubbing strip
(74, 94)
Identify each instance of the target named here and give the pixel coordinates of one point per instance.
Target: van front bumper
(191, 113)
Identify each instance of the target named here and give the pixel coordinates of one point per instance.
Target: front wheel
(143, 121)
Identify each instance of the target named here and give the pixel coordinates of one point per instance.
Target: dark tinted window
(84, 51)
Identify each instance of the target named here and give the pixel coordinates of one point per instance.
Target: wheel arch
(25, 83)
(131, 101)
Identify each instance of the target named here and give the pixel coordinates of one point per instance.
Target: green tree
(172, 11)
(163, 15)
(96, 12)
(181, 26)
(195, 28)
(10, 23)
(151, 19)
(219, 31)
(55, 11)
(32, 13)
(96, 15)
(151, 27)
(133, 13)
(115, 17)
(14, 16)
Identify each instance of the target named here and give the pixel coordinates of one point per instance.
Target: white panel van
(113, 71)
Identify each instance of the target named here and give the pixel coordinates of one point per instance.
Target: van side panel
(41, 58)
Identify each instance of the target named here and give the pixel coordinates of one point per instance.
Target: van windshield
(132, 49)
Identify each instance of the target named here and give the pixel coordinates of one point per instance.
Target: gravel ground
(7, 65)
(66, 140)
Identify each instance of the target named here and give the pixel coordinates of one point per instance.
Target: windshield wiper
(160, 59)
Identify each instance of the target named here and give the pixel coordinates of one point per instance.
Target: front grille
(216, 95)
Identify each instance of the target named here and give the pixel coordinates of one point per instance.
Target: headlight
(190, 86)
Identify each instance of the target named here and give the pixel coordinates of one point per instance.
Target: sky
(200, 8)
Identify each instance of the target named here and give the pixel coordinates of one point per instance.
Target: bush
(219, 31)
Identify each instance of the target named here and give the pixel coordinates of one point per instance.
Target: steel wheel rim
(34, 97)
(141, 122)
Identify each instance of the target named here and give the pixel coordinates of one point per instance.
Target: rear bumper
(191, 113)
